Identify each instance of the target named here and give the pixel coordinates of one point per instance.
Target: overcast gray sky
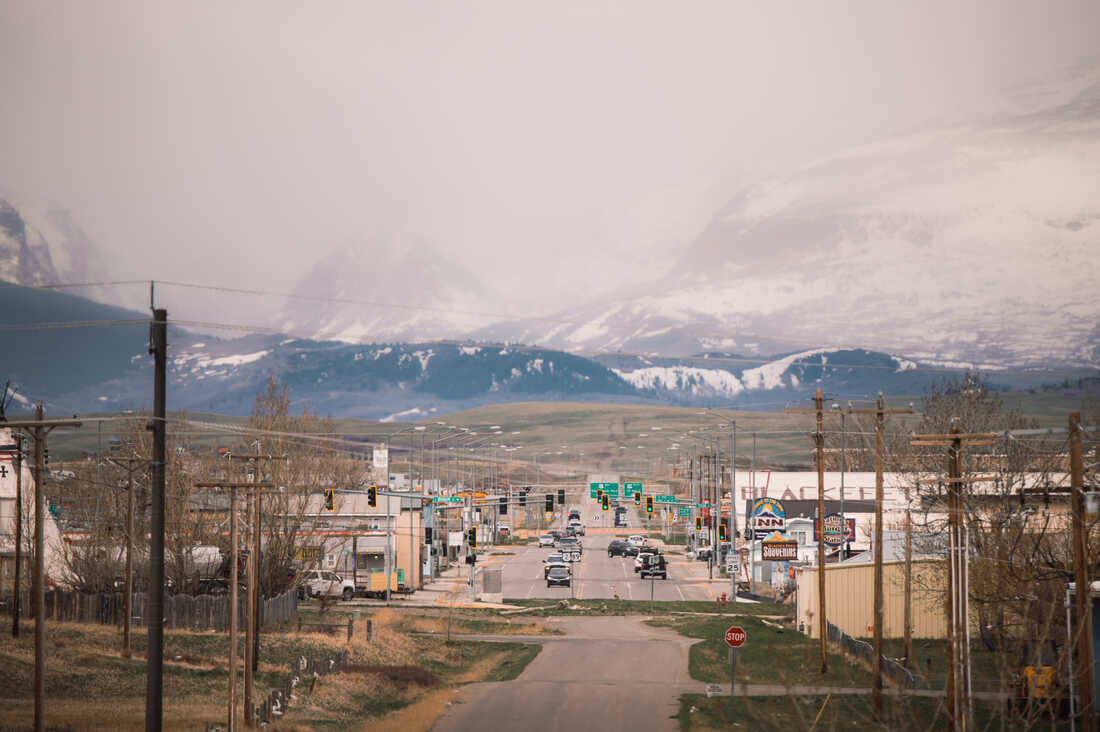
(578, 143)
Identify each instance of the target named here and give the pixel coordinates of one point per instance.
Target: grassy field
(838, 712)
(90, 686)
(571, 438)
(775, 653)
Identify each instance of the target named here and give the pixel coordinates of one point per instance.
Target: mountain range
(101, 363)
(966, 246)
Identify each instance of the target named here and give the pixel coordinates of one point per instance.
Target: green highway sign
(703, 505)
(609, 489)
(685, 511)
(665, 499)
(447, 499)
(629, 489)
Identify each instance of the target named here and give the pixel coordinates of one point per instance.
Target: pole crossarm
(46, 423)
(231, 484)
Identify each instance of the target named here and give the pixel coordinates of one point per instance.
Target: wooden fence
(193, 612)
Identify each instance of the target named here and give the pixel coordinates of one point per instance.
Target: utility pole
(234, 582)
(39, 584)
(957, 651)
(880, 411)
(16, 451)
(39, 428)
(1083, 597)
(253, 598)
(819, 437)
(733, 510)
(751, 521)
(232, 608)
(129, 587)
(154, 688)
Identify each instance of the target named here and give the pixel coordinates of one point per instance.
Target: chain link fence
(863, 650)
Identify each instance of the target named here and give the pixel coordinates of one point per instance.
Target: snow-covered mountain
(372, 294)
(40, 246)
(972, 244)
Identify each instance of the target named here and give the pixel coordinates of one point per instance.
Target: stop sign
(736, 636)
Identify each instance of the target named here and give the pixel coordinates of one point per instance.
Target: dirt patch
(418, 716)
(479, 670)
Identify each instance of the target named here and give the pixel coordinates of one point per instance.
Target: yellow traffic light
(698, 523)
(330, 499)
(648, 504)
(605, 503)
(372, 496)
(721, 532)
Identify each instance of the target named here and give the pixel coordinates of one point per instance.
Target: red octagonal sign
(736, 636)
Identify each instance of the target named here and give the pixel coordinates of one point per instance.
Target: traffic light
(503, 505)
(330, 499)
(471, 537)
(599, 494)
(561, 496)
(549, 503)
(372, 496)
(523, 499)
(605, 502)
(427, 534)
(721, 532)
(637, 498)
(649, 504)
(698, 523)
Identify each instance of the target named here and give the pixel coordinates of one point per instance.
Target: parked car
(558, 575)
(546, 540)
(322, 582)
(654, 566)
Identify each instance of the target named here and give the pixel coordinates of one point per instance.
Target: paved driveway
(605, 674)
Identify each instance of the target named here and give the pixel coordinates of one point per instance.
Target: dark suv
(619, 548)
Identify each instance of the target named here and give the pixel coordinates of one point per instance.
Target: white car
(320, 582)
(635, 540)
(546, 540)
(577, 526)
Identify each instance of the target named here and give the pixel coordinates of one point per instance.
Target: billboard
(835, 533)
(767, 516)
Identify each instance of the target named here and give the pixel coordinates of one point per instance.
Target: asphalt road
(598, 576)
(606, 673)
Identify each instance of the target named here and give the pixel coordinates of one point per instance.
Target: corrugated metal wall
(849, 599)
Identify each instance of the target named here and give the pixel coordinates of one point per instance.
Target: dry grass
(90, 686)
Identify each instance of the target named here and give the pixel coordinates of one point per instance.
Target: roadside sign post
(735, 638)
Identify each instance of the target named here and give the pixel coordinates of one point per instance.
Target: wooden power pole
(129, 467)
(959, 712)
(1086, 698)
(38, 429)
(249, 707)
(820, 440)
(880, 411)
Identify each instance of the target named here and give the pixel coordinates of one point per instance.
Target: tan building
(850, 598)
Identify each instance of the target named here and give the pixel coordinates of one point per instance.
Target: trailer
(372, 583)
